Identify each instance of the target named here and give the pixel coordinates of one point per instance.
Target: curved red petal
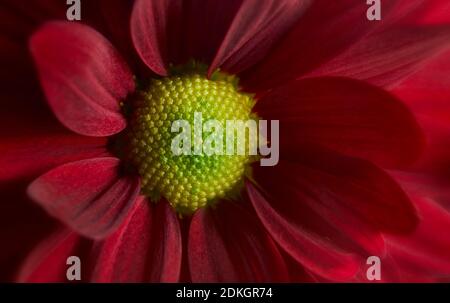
(360, 186)
(313, 252)
(424, 184)
(436, 155)
(28, 155)
(227, 244)
(427, 91)
(256, 27)
(83, 77)
(313, 205)
(147, 248)
(149, 26)
(324, 31)
(174, 32)
(387, 56)
(346, 115)
(435, 12)
(89, 196)
(422, 256)
(47, 262)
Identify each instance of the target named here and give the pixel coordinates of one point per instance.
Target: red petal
(332, 204)
(227, 244)
(422, 184)
(82, 76)
(324, 31)
(386, 57)
(436, 12)
(423, 256)
(436, 155)
(167, 32)
(256, 27)
(46, 263)
(363, 187)
(315, 253)
(319, 208)
(427, 93)
(147, 248)
(150, 22)
(89, 195)
(30, 155)
(345, 115)
(428, 90)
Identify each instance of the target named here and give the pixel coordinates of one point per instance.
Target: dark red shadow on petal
(422, 256)
(256, 28)
(22, 225)
(115, 16)
(28, 156)
(364, 188)
(310, 205)
(315, 253)
(297, 272)
(328, 211)
(346, 115)
(427, 91)
(147, 248)
(324, 31)
(228, 244)
(388, 56)
(173, 32)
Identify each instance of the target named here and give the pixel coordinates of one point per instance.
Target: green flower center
(195, 180)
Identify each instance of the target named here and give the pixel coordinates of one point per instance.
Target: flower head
(136, 211)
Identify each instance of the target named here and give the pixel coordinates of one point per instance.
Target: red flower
(349, 141)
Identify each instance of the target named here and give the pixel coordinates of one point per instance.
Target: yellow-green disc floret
(191, 181)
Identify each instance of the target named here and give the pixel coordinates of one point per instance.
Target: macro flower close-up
(354, 141)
